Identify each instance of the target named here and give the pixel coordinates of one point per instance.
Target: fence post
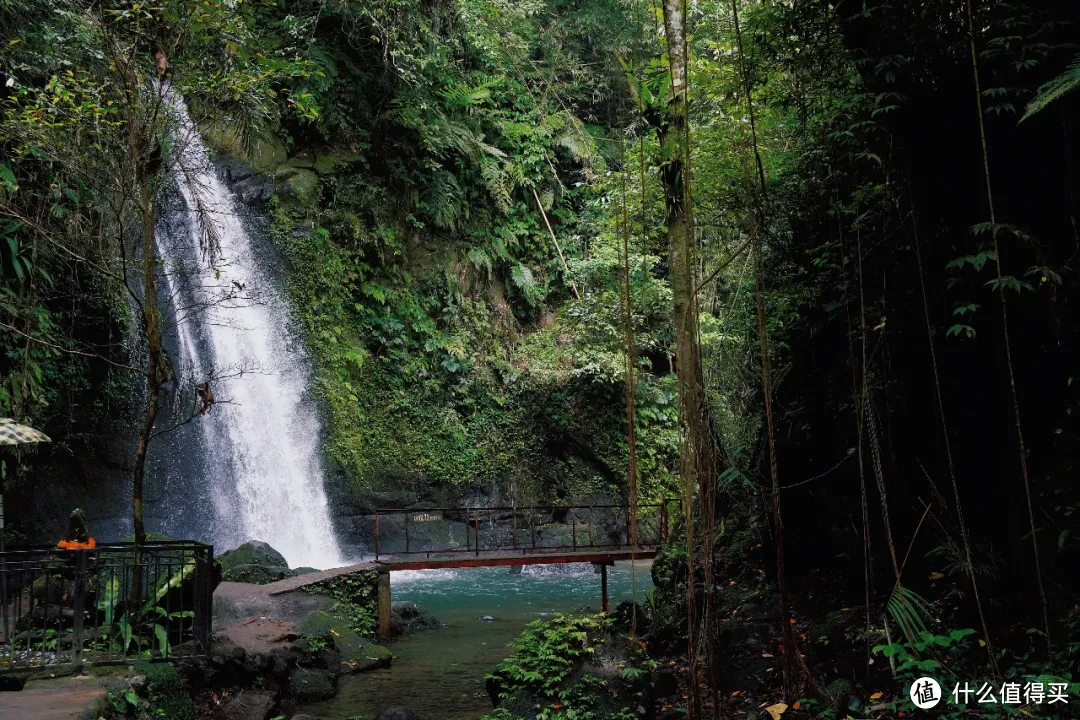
(384, 602)
(79, 601)
(376, 536)
(476, 530)
(207, 625)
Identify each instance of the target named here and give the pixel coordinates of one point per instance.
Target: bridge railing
(510, 529)
(114, 603)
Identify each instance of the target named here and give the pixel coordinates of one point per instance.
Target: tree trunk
(154, 360)
(697, 460)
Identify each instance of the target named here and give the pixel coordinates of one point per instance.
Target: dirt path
(76, 698)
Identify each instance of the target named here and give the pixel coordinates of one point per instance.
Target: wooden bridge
(434, 538)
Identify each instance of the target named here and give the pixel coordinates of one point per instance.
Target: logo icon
(925, 693)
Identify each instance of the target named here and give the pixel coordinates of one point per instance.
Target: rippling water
(438, 674)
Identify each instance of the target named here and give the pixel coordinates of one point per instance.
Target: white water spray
(261, 438)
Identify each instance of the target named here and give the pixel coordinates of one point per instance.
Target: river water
(439, 674)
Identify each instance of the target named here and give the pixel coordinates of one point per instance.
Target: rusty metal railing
(530, 529)
(114, 603)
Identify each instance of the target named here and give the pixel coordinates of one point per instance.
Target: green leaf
(966, 308)
(8, 177)
(163, 639)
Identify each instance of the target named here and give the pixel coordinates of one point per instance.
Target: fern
(524, 281)
(443, 200)
(1054, 90)
(497, 182)
(481, 260)
(463, 97)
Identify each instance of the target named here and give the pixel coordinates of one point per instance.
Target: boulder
(364, 656)
(310, 684)
(50, 589)
(256, 574)
(252, 553)
(248, 705)
(297, 183)
(396, 713)
(411, 617)
(303, 571)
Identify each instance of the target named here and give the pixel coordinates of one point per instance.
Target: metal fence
(540, 528)
(115, 603)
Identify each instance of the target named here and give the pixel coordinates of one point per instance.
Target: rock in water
(396, 713)
(312, 684)
(485, 618)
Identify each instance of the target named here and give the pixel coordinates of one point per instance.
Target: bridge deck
(533, 557)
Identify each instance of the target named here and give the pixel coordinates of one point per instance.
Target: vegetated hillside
(451, 350)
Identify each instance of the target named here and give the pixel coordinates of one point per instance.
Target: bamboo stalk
(562, 259)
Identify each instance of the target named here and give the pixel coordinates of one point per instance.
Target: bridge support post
(603, 584)
(384, 602)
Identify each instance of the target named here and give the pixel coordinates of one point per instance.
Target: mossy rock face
(256, 574)
(252, 553)
(299, 184)
(327, 163)
(49, 589)
(265, 154)
(312, 684)
(304, 571)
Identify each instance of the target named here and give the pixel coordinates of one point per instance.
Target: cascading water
(260, 441)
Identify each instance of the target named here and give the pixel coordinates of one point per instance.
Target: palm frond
(910, 611)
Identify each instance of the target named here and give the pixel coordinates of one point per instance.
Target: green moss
(256, 574)
(169, 691)
(355, 605)
(361, 655)
(298, 184)
(321, 623)
(265, 154)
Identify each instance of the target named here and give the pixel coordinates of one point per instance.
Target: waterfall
(259, 458)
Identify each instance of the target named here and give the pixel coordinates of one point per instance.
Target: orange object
(72, 545)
